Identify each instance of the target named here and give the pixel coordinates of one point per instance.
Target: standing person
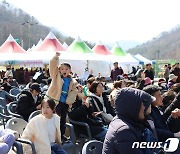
(129, 124)
(7, 138)
(44, 131)
(116, 71)
(176, 72)
(62, 89)
(26, 76)
(166, 73)
(8, 72)
(149, 71)
(169, 66)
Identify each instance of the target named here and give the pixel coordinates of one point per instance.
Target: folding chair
(19, 125)
(92, 147)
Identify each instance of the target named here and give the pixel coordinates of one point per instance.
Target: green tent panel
(79, 46)
(118, 51)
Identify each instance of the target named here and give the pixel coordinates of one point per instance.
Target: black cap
(35, 86)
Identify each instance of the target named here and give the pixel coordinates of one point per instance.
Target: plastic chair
(83, 124)
(33, 114)
(70, 146)
(18, 146)
(92, 147)
(19, 125)
(11, 109)
(15, 91)
(3, 117)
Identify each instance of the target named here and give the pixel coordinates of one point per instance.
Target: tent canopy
(11, 46)
(50, 43)
(145, 60)
(101, 49)
(79, 46)
(118, 51)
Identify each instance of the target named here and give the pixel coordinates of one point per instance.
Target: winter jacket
(26, 104)
(55, 88)
(173, 123)
(107, 104)
(162, 129)
(125, 128)
(83, 114)
(37, 132)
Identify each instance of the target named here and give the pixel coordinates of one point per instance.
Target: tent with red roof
(101, 49)
(50, 43)
(11, 46)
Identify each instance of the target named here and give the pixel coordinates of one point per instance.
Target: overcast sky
(106, 20)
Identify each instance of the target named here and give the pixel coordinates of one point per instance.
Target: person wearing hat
(162, 83)
(12, 81)
(28, 101)
(172, 80)
(128, 126)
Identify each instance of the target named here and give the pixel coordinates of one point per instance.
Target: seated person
(6, 96)
(6, 86)
(129, 125)
(116, 87)
(28, 101)
(172, 80)
(162, 83)
(12, 81)
(161, 127)
(82, 112)
(167, 99)
(44, 130)
(99, 103)
(7, 138)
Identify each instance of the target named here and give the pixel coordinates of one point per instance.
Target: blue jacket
(162, 129)
(125, 128)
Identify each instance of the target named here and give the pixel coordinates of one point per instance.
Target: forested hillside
(26, 29)
(165, 46)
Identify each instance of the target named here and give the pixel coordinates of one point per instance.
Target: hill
(164, 46)
(26, 29)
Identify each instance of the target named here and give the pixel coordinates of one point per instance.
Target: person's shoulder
(56, 117)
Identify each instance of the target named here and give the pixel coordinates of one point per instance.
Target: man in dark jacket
(149, 71)
(127, 127)
(161, 127)
(27, 101)
(116, 71)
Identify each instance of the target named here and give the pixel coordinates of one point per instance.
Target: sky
(106, 20)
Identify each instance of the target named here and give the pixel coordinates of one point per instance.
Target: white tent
(145, 60)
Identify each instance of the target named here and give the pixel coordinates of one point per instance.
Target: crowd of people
(135, 109)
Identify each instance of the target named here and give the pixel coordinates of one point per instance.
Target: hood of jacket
(25, 93)
(128, 102)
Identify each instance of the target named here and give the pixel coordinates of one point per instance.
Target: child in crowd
(7, 138)
(44, 131)
(62, 89)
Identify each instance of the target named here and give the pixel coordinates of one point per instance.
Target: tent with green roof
(118, 51)
(79, 46)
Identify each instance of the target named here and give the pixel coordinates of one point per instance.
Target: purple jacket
(116, 72)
